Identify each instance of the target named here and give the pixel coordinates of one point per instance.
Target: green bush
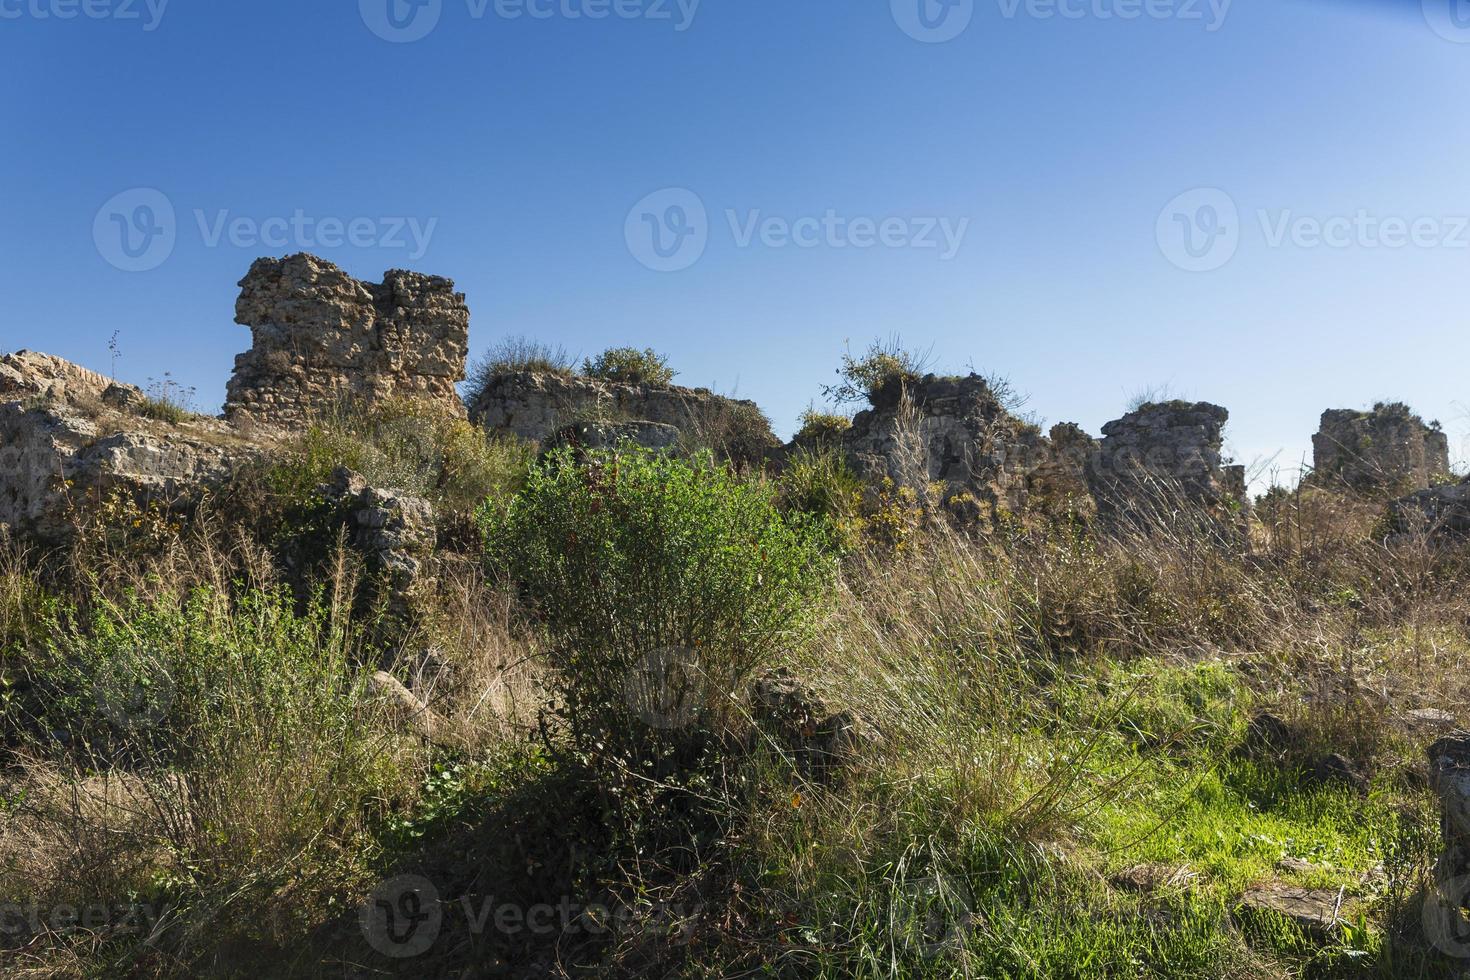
(664, 583)
(825, 428)
(819, 483)
(735, 431)
(877, 374)
(628, 365)
(413, 447)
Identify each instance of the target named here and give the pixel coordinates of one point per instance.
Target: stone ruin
(949, 432)
(322, 339)
(1163, 455)
(547, 408)
(1386, 449)
(1441, 511)
(68, 435)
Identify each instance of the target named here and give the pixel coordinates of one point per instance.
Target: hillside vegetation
(659, 716)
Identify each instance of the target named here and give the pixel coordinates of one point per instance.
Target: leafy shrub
(410, 446)
(628, 365)
(824, 428)
(736, 431)
(818, 482)
(877, 374)
(514, 355)
(664, 584)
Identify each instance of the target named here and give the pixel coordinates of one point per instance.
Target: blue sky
(1313, 152)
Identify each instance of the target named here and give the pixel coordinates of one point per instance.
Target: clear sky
(998, 179)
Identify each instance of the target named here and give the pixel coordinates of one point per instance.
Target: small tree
(628, 365)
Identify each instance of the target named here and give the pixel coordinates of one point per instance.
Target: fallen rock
(58, 457)
(1442, 511)
(1338, 769)
(1268, 734)
(1430, 719)
(1152, 877)
(820, 740)
(409, 708)
(395, 531)
(1318, 912)
(1296, 865)
(32, 375)
(1449, 777)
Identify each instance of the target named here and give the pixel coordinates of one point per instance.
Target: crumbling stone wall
(946, 430)
(322, 338)
(1442, 511)
(30, 374)
(1388, 448)
(1162, 456)
(541, 406)
(1058, 484)
(69, 436)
